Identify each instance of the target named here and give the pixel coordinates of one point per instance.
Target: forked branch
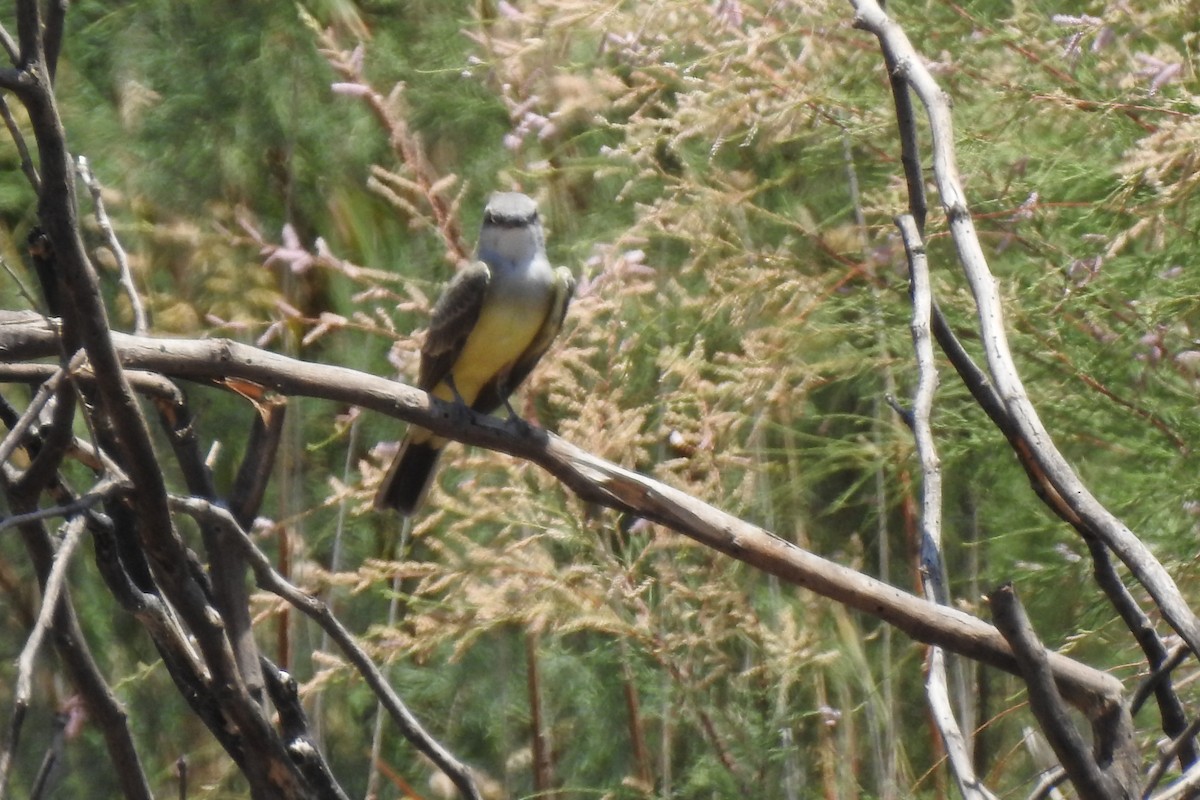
(1063, 489)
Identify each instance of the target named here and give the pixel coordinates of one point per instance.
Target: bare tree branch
(47, 390)
(14, 80)
(26, 336)
(933, 571)
(286, 697)
(49, 447)
(28, 658)
(183, 663)
(1184, 739)
(1176, 656)
(1171, 710)
(10, 46)
(85, 501)
(1113, 777)
(270, 772)
(1048, 784)
(272, 581)
(52, 37)
(72, 647)
(227, 570)
(86, 175)
(1076, 498)
(18, 138)
(29, 33)
(42, 782)
(1186, 787)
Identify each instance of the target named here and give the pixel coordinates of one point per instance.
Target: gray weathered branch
(24, 337)
(933, 570)
(1076, 499)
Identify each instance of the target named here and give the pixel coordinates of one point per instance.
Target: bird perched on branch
(491, 326)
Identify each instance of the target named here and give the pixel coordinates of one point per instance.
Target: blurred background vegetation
(721, 176)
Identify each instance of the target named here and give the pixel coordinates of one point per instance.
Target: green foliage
(735, 333)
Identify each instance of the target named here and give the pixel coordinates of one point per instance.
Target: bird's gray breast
(528, 285)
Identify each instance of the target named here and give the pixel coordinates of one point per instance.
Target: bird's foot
(516, 422)
(459, 411)
(458, 398)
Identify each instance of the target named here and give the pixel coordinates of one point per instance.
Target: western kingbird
(492, 324)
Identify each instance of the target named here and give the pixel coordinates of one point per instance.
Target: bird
(489, 328)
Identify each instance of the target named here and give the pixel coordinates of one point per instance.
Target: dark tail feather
(407, 481)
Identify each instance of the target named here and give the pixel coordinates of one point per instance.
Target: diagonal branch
(1168, 753)
(44, 393)
(1032, 434)
(103, 707)
(1112, 772)
(26, 661)
(1171, 709)
(1184, 788)
(272, 581)
(10, 46)
(140, 324)
(286, 697)
(18, 138)
(26, 336)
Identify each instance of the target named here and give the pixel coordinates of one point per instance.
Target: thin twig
(883, 731)
(140, 325)
(22, 289)
(1048, 784)
(48, 446)
(1185, 787)
(1184, 739)
(373, 771)
(335, 566)
(42, 783)
(154, 386)
(318, 611)
(47, 390)
(28, 658)
(227, 570)
(51, 594)
(932, 566)
(29, 33)
(10, 46)
(52, 36)
(14, 132)
(1170, 708)
(1178, 654)
(101, 491)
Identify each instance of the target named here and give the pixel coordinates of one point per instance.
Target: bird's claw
(515, 421)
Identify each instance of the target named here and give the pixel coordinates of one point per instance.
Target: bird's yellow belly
(499, 338)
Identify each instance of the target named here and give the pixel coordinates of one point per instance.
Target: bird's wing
(497, 390)
(454, 317)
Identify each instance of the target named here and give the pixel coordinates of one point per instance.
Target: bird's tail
(408, 480)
